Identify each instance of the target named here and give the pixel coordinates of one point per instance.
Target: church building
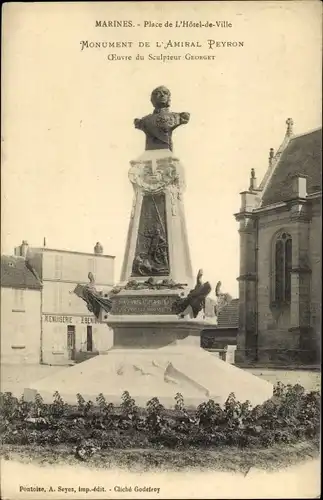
(280, 256)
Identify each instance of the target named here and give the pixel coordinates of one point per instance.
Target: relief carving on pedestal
(151, 254)
(153, 176)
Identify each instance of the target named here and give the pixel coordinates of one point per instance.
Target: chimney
(289, 130)
(249, 200)
(98, 249)
(24, 248)
(44, 244)
(271, 157)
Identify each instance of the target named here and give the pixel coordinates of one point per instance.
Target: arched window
(282, 268)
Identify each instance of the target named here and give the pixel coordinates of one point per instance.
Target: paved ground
(15, 378)
(309, 379)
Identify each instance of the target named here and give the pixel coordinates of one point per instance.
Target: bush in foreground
(289, 416)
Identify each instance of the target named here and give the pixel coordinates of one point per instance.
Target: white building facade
(20, 312)
(67, 331)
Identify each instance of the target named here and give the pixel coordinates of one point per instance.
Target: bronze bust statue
(159, 125)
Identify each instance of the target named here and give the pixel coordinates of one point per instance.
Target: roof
(46, 249)
(229, 315)
(35, 261)
(302, 155)
(15, 274)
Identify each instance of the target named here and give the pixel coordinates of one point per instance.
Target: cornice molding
(301, 270)
(247, 277)
(244, 215)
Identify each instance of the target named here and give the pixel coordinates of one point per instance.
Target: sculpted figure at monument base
(194, 303)
(94, 300)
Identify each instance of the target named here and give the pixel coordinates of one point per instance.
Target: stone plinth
(145, 319)
(146, 373)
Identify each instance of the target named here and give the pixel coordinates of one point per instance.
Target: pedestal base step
(147, 373)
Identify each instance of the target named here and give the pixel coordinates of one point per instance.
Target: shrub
(84, 407)
(290, 415)
(210, 415)
(58, 408)
(179, 405)
(155, 420)
(129, 417)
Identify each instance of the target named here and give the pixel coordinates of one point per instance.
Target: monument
(157, 309)
(157, 282)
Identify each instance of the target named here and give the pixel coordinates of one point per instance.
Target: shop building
(67, 331)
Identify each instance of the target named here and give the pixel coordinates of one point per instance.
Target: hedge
(291, 415)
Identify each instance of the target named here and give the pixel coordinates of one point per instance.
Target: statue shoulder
(184, 117)
(146, 117)
(140, 122)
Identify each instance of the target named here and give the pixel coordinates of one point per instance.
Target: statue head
(160, 97)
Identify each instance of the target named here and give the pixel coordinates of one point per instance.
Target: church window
(283, 266)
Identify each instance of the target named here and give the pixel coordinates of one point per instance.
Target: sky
(67, 118)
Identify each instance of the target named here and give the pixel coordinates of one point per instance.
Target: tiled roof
(229, 315)
(74, 252)
(35, 261)
(15, 274)
(301, 156)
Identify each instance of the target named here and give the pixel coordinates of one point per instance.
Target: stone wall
(316, 276)
(290, 333)
(20, 326)
(273, 325)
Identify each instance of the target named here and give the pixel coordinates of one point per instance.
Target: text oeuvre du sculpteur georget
(122, 40)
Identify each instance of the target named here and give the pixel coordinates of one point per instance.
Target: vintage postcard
(161, 250)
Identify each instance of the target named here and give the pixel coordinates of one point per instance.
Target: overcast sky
(68, 134)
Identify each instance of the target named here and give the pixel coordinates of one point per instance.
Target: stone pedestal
(157, 243)
(144, 319)
(181, 367)
(156, 249)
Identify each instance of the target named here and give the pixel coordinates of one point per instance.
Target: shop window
(91, 267)
(58, 297)
(58, 266)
